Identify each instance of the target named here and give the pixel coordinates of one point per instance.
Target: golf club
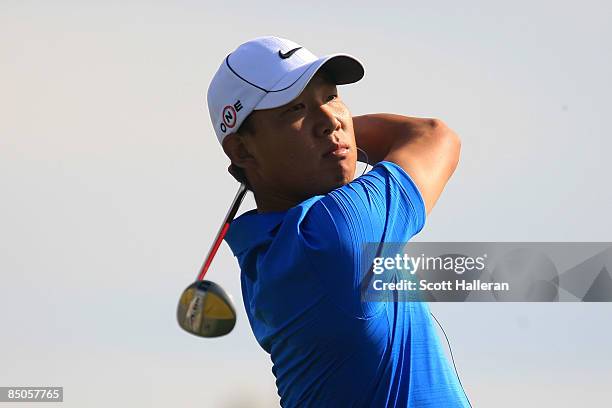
(204, 308)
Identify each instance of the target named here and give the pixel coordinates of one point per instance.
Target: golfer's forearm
(426, 149)
(378, 133)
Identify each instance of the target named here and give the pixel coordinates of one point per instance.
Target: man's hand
(425, 148)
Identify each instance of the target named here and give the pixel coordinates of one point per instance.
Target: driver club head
(206, 310)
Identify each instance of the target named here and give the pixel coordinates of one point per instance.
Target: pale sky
(113, 184)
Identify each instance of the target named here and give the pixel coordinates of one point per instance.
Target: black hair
(239, 174)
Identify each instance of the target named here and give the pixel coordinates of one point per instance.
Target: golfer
(290, 137)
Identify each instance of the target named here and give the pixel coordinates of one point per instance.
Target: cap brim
(343, 68)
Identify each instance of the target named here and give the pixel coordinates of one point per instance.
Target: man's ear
(237, 150)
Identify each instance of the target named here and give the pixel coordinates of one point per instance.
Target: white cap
(265, 73)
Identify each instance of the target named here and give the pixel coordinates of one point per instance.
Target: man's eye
(296, 108)
(331, 97)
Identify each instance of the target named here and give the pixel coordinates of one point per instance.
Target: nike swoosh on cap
(288, 53)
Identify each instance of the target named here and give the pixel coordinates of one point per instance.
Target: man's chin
(340, 180)
(327, 180)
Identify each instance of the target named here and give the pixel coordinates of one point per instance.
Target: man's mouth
(337, 151)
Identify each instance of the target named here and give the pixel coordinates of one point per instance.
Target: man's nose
(327, 120)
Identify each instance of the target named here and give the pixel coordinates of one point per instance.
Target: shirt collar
(252, 229)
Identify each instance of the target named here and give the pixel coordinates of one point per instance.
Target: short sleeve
(383, 205)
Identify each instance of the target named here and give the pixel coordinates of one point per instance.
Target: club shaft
(223, 230)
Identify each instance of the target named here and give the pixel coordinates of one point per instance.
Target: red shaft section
(223, 230)
(213, 251)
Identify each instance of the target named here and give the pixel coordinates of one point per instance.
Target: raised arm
(426, 149)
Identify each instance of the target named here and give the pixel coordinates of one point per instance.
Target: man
(277, 113)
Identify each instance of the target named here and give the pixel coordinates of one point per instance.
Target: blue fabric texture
(301, 290)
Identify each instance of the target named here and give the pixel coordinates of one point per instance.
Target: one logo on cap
(230, 116)
(288, 53)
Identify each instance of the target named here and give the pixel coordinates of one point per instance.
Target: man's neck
(267, 203)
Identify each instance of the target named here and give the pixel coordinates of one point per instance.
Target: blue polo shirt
(301, 290)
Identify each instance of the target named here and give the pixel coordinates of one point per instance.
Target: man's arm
(426, 149)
